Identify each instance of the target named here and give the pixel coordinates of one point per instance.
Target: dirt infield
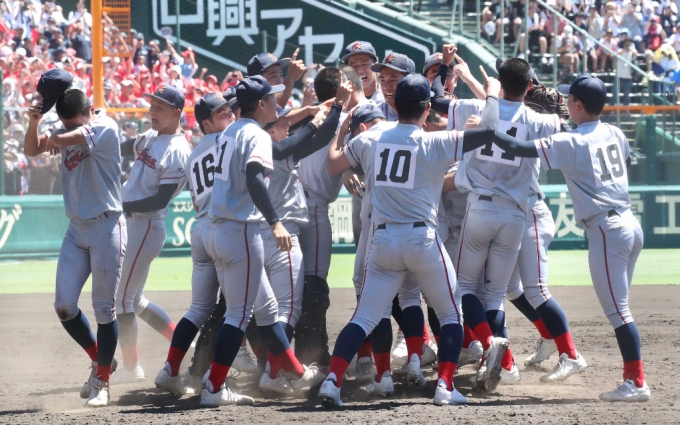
(42, 371)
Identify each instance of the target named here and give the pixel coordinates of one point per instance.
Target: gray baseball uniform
(498, 187)
(159, 160)
(96, 238)
(593, 159)
(408, 166)
(236, 240)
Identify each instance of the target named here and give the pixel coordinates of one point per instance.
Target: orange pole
(97, 47)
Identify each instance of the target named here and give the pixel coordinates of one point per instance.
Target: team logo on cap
(219, 97)
(272, 57)
(160, 89)
(438, 56)
(356, 46)
(389, 59)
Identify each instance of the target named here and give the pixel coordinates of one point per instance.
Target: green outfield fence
(34, 226)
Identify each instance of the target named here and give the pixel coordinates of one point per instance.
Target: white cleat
(329, 394)
(544, 349)
(225, 396)
(245, 363)
(312, 377)
(280, 385)
(399, 351)
(124, 375)
(471, 355)
(489, 372)
(414, 372)
(444, 397)
(383, 388)
(172, 384)
(627, 391)
(510, 376)
(195, 383)
(429, 355)
(364, 371)
(89, 384)
(99, 395)
(565, 368)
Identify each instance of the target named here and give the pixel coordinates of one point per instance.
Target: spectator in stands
(82, 16)
(231, 79)
(674, 40)
(652, 41)
(604, 57)
(595, 22)
(624, 72)
(537, 36)
(81, 42)
(668, 18)
(570, 49)
(612, 18)
(632, 21)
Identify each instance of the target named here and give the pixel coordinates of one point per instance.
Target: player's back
(408, 174)
(201, 172)
(592, 158)
(489, 171)
(286, 193)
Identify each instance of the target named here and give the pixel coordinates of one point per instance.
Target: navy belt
(485, 198)
(612, 213)
(416, 224)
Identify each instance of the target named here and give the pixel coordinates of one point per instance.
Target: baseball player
(96, 238)
(593, 158)
(239, 202)
(390, 71)
(408, 176)
(213, 114)
(488, 175)
(157, 176)
(266, 65)
(361, 56)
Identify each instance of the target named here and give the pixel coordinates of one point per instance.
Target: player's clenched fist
(282, 237)
(448, 53)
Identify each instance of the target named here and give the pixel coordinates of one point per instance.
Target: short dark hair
(410, 110)
(72, 103)
(353, 76)
(514, 75)
(326, 83)
(434, 116)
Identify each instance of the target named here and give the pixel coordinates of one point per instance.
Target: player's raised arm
(438, 101)
(488, 125)
(34, 143)
(463, 71)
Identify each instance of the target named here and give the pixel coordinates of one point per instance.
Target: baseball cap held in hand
(52, 85)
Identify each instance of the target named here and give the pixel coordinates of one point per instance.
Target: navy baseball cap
(262, 61)
(534, 78)
(365, 113)
(168, 94)
(253, 89)
(230, 95)
(359, 48)
(207, 105)
(413, 87)
(588, 89)
(433, 60)
(396, 61)
(280, 112)
(52, 85)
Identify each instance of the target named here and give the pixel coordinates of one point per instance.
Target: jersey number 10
(395, 165)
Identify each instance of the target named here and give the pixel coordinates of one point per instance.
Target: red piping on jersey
(132, 269)
(90, 134)
(361, 291)
(316, 256)
(448, 281)
(460, 248)
(120, 257)
(453, 114)
(557, 124)
(263, 161)
(351, 152)
(544, 155)
(456, 158)
(538, 256)
(609, 280)
(245, 300)
(292, 294)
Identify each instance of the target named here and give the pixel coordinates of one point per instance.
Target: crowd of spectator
(642, 31)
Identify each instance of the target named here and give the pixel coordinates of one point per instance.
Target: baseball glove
(546, 100)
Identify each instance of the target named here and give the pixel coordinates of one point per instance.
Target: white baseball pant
(145, 242)
(491, 234)
(531, 271)
(614, 245)
(204, 282)
(283, 272)
(395, 251)
(96, 247)
(316, 239)
(239, 257)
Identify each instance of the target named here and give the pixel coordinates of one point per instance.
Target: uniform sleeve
(174, 166)
(101, 134)
(352, 151)
(544, 125)
(447, 146)
(555, 152)
(260, 150)
(461, 110)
